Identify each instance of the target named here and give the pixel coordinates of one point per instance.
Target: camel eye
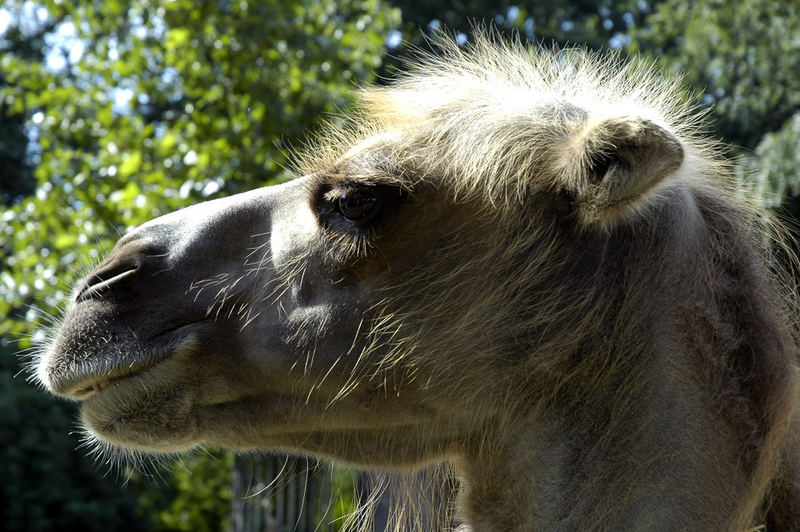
(355, 207)
(359, 206)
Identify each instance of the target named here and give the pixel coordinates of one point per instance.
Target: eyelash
(346, 239)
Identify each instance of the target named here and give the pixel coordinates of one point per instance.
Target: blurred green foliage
(744, 58)
(135, 109)
(46, 484)
(585, 22)
(194, 497)
(114, 112)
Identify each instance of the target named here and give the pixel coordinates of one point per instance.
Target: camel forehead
(376, 159)
(375, 143)
(438, 148)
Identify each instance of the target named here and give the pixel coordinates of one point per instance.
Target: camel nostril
(99, 282)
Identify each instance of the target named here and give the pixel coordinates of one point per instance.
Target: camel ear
(620, 162)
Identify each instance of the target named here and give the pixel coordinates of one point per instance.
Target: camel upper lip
(86, 389)
(86, 382)
(94, 378)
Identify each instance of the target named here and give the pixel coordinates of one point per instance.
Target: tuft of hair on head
(497, 121)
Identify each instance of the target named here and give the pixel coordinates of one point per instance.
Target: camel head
(504, 259)
(305, 314)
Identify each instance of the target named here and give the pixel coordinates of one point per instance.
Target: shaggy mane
(486, 119)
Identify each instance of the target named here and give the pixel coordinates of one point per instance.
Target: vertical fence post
(279, 493)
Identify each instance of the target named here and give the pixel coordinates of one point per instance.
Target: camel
(529, 264)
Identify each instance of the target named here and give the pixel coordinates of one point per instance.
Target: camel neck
(637, 468)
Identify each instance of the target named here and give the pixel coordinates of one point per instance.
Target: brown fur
(564, 295)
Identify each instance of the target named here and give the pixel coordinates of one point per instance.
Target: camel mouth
(99, 374)
(83, 391)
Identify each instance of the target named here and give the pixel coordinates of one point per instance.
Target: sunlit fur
(483, 120)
